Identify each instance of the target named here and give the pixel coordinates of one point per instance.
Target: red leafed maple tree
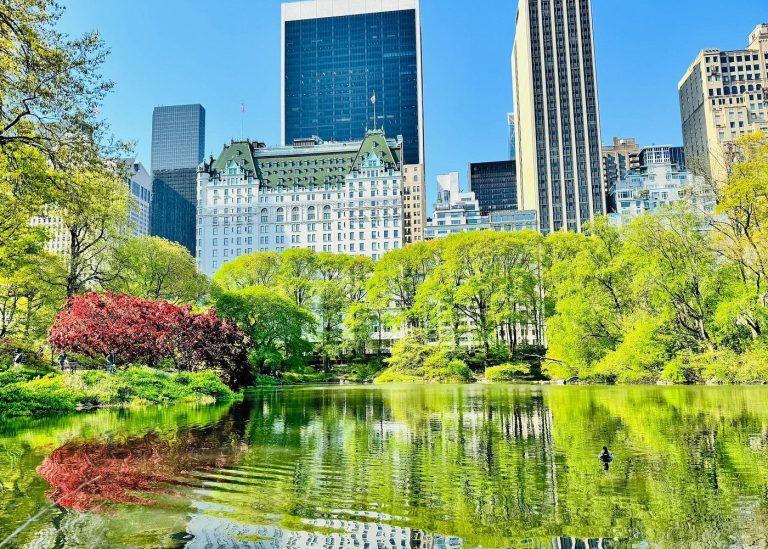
(146, 331)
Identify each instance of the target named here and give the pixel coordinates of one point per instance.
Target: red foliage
(140, 330)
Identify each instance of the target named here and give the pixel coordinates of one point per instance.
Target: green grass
(66, 392)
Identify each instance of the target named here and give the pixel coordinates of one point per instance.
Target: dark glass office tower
(494, 185)
(178, 145)
(336, 54)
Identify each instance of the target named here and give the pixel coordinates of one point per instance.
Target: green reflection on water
(422, 465)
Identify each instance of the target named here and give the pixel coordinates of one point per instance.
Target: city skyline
(182, 70)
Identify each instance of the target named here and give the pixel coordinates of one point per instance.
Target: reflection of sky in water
(488, 466)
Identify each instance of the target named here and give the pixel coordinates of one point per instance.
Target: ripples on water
(491, 466)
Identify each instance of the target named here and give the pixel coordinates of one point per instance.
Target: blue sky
(220, 54)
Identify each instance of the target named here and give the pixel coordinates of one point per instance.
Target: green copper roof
(313, 164)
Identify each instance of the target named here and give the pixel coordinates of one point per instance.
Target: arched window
(295, 214)
(264, 215)
(326, 212)
(280, 215)
(311, 213)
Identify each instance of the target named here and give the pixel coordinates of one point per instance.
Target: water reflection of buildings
(574, 543)
(211, 531)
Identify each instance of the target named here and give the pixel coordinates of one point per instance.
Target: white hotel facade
(329, 197)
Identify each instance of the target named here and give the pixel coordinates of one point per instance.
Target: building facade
(557, 122)
(332, 197)
(140, 183)
(178, 145)
(511, 130)
(658, 185)
(618, 160)
(457, 212)
(336, 55)
(723, 97)
(494, 185)
(663, 154)
(414, 203)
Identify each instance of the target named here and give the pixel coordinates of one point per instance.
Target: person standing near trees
(18, 360)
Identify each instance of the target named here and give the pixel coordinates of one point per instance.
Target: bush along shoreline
(25, 394)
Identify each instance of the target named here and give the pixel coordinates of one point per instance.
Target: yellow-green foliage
(720, 366)
(415, 361)
(507, 372)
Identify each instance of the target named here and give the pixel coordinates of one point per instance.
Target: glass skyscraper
(178, 146)
(337, 55)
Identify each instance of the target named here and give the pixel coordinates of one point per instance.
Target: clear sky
(221, 53)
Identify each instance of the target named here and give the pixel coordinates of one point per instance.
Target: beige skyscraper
(414, 203)
(723, 96)
(557, 121)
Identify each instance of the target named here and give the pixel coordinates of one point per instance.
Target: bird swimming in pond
(606, 457)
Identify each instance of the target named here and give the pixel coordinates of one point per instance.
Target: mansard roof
(307, 163)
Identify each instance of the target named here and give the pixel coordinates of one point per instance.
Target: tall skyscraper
(337, 56)
(557, 121)
(178, 145)
(723, 95)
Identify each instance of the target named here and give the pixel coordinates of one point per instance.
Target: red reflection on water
(84, 476)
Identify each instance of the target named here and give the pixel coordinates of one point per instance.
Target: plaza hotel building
(342, 197)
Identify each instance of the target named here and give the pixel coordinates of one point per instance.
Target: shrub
(62, 393)
(414, 361)
(46, 396)
(720, 366)
(507, 372)
(33, 358)
(204, 383)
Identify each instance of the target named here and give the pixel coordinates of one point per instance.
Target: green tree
(25, 180)
(277, 327)
(256, 269)
(298, 268)
(398, 275)
(588, 279)
(676, 274)
(51, 84)
(330, 299)
(741, 235)
(154, 268)
(93, 212)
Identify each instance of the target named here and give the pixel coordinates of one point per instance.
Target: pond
(398, 466)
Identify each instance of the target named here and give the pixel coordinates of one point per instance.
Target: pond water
(398, 466)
